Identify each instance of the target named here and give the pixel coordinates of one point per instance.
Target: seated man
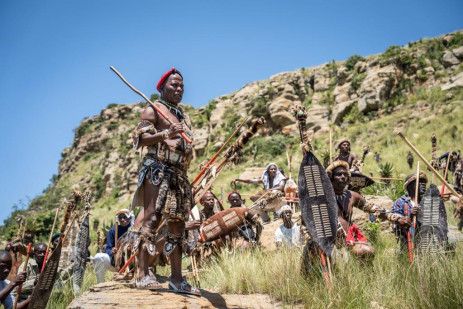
(245, 231)
(105, 261)
(339, 174)
(6, 287)
(33, 269)
(289, 233)
(404, 205)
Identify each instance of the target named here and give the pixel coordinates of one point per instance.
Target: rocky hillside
(364, 98)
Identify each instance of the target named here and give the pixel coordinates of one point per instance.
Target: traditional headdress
(412, 177)
(278, 176)
(165, 76)
(329, 170)
(283, 209)
(234, 191)
(128, 215)
(344, 140)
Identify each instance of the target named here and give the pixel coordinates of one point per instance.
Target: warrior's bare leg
(150, 223)
(176, 228)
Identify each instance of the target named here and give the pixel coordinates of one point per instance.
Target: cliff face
(337, 94)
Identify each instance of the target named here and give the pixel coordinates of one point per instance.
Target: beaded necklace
(173, 109)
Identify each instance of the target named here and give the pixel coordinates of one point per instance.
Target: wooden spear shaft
(116, 236)
(49, 239)
(428, 165)
(331, 146)
(386, 178)
(24, 269)
(160, 112)
(445, 174)
(218, 152)
(417, 193)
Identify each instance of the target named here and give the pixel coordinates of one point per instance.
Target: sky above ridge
(55, 58)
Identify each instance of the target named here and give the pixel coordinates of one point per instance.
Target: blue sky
(55, 58)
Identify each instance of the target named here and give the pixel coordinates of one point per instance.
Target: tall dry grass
(389, 280)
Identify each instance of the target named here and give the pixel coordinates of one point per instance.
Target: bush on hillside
(352, 60)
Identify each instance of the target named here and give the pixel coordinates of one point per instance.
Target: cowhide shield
(81, 254)
(47, 278)
(318, 203)
(223, 223)
(431, 235)
(359, 181)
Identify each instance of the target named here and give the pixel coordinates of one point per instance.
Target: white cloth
(289, 237)
(102, 262)
(9, 300)
(277, 181)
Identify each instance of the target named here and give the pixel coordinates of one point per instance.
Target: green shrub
(357, 80)
(111, 105)
(352, 60)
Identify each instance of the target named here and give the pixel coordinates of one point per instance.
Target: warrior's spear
(49, 240)
(24, 269)
(445, 174)
(160, 112)
(218, 152)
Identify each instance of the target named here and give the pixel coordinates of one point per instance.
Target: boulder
(201, 138)
(458, 52)
(341, 93)
(341, 109)
(367, 104)
(279, 110)
(456, 81)
(449, 59)
(117, 294)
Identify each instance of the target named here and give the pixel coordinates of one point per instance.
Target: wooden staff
(160, 112)
(24, 269)
(331, 146)
(417, 193)
(386, 178)
(409, 239)
(218, 152)
(161, 225)
(445, 174)
(194, 268)
(49, 240)
(116, 235)
(449, 186)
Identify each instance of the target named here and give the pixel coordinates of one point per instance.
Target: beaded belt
(167, 155)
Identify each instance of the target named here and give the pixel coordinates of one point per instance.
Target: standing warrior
(163, 186)
(345, 154)
(410, 159)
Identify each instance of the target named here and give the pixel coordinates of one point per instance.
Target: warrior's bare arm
(380, 212)
(248, 181)
(148, 139)
(20, 278)
(192, 225)
(24, 304)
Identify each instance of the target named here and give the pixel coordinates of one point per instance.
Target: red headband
(165, 76)
(234, 191)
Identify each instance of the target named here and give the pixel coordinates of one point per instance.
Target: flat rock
(121, 295)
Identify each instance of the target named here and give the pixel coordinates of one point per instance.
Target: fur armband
(392, 217)
(144, 126)
(371, 207)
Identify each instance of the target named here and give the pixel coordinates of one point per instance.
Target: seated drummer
(245, 230)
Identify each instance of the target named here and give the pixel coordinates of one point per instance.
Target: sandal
(193, 291)
(148, 283)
